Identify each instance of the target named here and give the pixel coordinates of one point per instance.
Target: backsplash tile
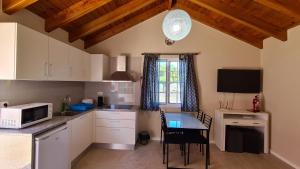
(114, 92)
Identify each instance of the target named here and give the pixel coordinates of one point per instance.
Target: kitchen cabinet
(58, 60)
(115, 127)
(81, 134)
(79, 65)
(24, 53)
(27, 54)
(99, 66)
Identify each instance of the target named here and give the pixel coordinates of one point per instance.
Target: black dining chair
(171, 137)
(200, 115)
(199, 138)
(161, 127)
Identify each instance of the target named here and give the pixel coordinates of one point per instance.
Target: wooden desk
(223, 118)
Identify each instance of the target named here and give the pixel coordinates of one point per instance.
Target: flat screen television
(239, 81)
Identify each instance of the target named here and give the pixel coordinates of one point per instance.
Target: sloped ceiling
(93, 21)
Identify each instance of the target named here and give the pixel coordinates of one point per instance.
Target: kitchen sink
(70, 113)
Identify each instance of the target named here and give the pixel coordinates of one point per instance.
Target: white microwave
(21, 116)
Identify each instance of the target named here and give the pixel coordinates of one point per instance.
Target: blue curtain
(150, 84)
(189, 86)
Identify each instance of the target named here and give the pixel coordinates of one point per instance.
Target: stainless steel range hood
(120, 74)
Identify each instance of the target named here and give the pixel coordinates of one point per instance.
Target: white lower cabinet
(115, 127)
(81, 134)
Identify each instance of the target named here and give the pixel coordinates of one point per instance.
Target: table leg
(208, 147)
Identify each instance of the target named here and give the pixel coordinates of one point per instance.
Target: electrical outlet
(3, 104)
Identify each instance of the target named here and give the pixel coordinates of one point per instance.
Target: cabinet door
(32, 54)
(81, 135)
(7, 48)
(58, 60)
(86, 66)
(99, 67)
(76, 62)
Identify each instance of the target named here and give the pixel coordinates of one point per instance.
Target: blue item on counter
(81, 107)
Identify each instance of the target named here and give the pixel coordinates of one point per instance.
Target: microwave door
(34, 115)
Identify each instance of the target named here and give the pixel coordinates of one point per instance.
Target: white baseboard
(284, 159)
(155, 138)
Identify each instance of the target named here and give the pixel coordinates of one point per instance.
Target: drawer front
(237, 122)
(115, 123)
(115, 135)
(115, 115)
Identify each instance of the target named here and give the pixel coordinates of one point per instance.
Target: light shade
(177, 24)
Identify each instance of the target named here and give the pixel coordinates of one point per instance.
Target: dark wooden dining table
(188, 122)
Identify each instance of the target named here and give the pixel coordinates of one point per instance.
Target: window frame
(168, 60)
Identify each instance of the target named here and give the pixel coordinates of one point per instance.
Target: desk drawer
(115, 135)
(244, 122)
(115, 115)
(115, 123)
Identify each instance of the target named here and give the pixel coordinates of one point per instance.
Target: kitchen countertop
(54, 122)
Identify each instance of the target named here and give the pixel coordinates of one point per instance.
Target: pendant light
(177, 25)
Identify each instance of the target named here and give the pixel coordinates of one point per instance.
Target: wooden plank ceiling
(93, 21)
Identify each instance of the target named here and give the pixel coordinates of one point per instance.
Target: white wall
(216, 49)
(281, 64)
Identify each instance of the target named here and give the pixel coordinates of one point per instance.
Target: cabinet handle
(235, 122)
(256, 123)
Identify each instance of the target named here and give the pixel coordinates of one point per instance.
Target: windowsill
(170, 105)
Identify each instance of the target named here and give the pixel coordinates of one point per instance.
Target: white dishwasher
(52, 150)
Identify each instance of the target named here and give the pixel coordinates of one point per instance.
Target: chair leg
(181, 149)
(167, 156)
(200, 145)
(188, 156)
(164, 152)
(161, 135)
(202, 148)
(184, 154)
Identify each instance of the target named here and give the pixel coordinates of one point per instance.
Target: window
(169, 82)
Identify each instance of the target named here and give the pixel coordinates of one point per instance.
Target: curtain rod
(171, 53)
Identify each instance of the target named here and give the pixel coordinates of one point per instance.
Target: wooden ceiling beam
(73, 12)
(12, 6)
(239, 16)
(205, 19)
(170, 4)
(286, 7)
(109, 18)
(125, 25)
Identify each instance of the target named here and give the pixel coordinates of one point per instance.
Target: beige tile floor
(150, 157)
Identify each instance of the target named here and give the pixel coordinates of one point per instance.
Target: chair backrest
(200, 115)
(164, 122)
(207, 120)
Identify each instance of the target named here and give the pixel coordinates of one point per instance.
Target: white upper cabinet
(99, 66)
(76, 61)
(30, 55)
(24, 53)
(7, 47)
(58, 60)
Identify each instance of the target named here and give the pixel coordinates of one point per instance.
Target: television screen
(239, 81)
